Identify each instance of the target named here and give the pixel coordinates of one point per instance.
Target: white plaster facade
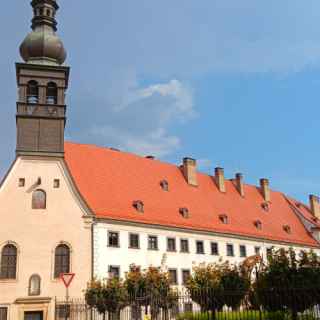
(123, 256)
(37, 232)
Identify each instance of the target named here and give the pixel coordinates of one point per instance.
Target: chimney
(219, 179)
(264, 187)
(314, 205)
(239, 184)
(189, 169)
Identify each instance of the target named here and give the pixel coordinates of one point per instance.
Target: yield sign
(67, 278)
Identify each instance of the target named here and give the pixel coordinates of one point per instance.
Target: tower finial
(42, 45)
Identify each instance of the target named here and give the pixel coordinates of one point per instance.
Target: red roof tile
(110, 181)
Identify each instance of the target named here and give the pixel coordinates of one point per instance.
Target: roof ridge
(178, 166)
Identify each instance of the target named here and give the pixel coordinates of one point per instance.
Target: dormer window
(224, 218)
(139, 206)
(265, 206)
(52, 93)
(258, 224)
(164, 185)
(184, 212)
(287, 228)
(32, 92)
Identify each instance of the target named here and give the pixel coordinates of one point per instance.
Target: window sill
(171, 250)
(151, 249)
(8, 280)
(116, 247)
(200, 253)
(135, 248)
(184, 251)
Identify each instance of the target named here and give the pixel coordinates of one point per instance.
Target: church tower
(42, 81)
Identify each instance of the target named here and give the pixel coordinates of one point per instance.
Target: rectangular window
(173, 276)
(153, 243)
(3, 313)
(22, 182)
(214, 248)
(200, 247)
(133, 241)
(113, 239)
(114, 272)
(184, 245)
(230, 251)
(185, 276)
(171, 244)
(243, 251)
(257, 250)
(56, 183)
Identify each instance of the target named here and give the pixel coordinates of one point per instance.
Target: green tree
(135, 282)
(107, 296)
(214, 285)
(150, 288)
(288, 281)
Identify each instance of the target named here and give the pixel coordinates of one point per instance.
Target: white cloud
(139, 119)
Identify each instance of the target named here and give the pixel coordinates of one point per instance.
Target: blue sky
(230, 83)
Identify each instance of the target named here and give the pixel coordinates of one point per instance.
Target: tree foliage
(215, 285)
(288, 281)
(151, 287)
(107, 295)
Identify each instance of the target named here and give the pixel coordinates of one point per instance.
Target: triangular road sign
(67, 278)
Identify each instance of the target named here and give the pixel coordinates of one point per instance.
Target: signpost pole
(66, 313)
(67, 279)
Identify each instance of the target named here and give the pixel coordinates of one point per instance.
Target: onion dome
(42, 45)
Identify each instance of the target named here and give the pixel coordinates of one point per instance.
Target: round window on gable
(39, 199)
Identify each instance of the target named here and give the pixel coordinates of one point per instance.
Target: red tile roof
(110, 181)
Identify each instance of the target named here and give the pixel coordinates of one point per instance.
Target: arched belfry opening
(32, 92)
(52, 93)
(42, 81)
